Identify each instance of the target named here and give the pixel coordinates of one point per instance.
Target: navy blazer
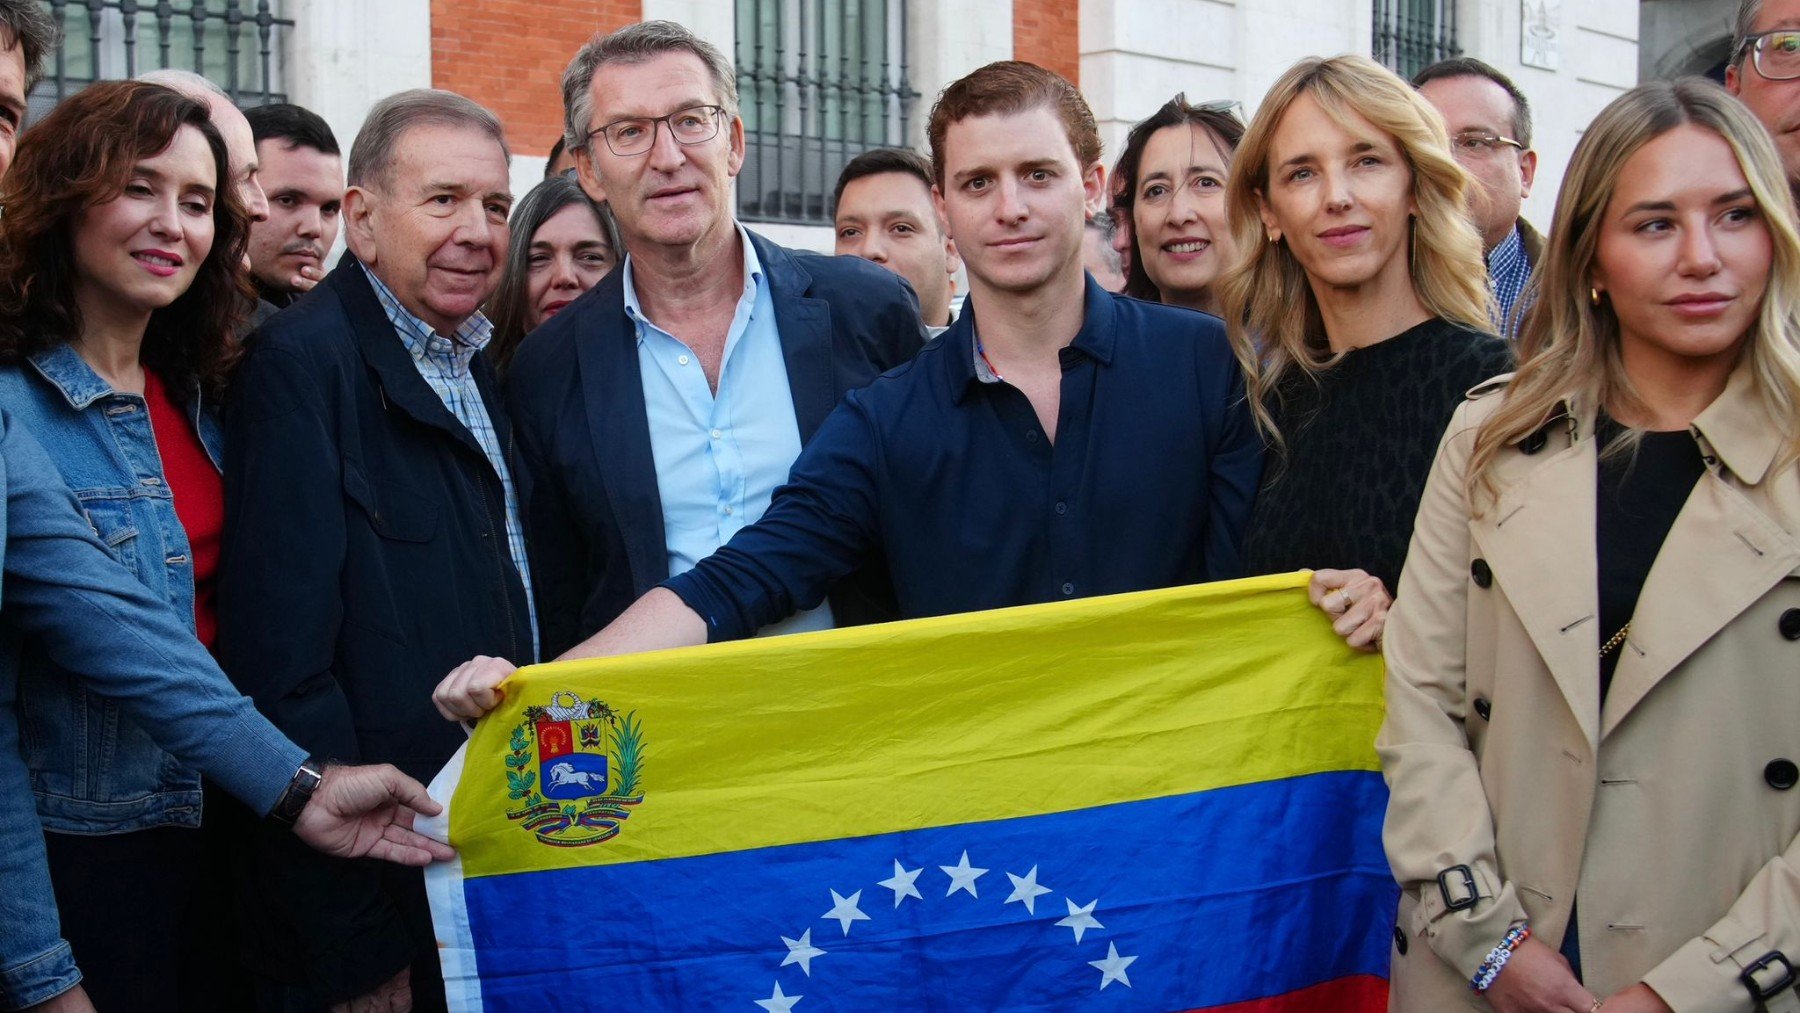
(593, 512)
(365, 556)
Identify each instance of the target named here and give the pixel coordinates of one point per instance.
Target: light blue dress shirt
(719, 458)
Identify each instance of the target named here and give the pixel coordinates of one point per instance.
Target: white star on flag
(1081, 919)
(844, 909)
(1026, 890)
(778, 1003)
(902, 883)
(801, 951)
(1113, 967)
(962, 876)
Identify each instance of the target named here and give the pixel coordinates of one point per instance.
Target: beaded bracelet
(1498, 956)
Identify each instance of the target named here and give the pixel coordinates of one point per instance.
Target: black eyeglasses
(637, 134)
(1776, 54)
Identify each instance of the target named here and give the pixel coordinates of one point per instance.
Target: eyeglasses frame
(716, 114)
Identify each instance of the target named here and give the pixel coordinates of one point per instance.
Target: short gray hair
(373, 152)
(194, 86)
(1747, 13)
(26, 26)
(635, 44)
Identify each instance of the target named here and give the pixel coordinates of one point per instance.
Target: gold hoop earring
(1593, 296)
(1274, 239)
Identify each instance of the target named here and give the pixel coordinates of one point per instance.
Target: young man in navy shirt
(1056, 442)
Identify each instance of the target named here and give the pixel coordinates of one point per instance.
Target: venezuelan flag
(1158, 801)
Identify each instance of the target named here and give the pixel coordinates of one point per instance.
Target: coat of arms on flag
(1162, 801)
(587, 774)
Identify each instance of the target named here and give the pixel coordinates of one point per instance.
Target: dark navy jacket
(1149, 483)
(365, 556)
(593, 512)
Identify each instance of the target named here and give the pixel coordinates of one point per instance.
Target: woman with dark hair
(120, 280)
(1169, 186)
(562, 244)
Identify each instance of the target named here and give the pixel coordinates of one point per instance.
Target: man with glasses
(658, 413)
(1490, 135)
(1765, 72)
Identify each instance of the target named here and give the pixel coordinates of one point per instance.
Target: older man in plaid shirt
(372, 527)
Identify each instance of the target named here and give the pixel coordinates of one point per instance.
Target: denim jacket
(63, 592)
(94, 770)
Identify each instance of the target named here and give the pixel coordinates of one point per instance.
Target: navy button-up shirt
(1148, 483)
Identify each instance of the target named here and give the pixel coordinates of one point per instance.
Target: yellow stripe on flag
(942, 721)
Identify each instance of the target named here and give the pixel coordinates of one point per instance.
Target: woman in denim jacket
(119, 278)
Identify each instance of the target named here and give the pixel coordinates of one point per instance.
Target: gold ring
(1597, 1004)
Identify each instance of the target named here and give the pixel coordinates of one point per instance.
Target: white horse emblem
(565, 773)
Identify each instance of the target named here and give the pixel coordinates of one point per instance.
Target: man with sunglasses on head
(657, 414)
(1490, 135)
(1765, 73)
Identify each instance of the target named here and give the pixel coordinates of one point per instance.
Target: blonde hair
(1569, 346)
(1269, 307)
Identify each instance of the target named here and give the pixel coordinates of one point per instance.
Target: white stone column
(946, 40)
(342, 58)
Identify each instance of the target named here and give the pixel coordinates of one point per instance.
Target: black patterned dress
(1360, 439)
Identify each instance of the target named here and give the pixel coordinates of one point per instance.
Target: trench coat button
(1400, 940)
(1482, 707)
(1482, 573)
(1535, 442)
(1781, 774)
(1790, 624)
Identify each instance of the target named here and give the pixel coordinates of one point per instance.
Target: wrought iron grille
(1411, 35)
(820, 81)
(235, 43)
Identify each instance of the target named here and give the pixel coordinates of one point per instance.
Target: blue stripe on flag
(1220, 896)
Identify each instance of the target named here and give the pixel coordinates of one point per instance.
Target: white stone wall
(1135, 54)
(1598, 55)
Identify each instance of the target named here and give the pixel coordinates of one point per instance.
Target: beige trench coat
(1672, 812)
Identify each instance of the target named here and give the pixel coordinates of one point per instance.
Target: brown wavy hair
(80, 156)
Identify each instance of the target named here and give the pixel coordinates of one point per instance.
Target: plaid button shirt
(444, 363)
(1508, 271)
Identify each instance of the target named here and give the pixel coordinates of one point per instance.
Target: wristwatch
(299, 791)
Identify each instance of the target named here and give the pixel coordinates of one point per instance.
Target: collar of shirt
(1508, 254)
(1095, 340)
(453, 353)
(753, 275)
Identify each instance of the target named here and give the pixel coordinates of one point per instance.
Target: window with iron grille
(1411, 35)
(820, 81)
(235, 43)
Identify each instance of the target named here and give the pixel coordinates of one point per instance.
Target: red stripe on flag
(1362, 993)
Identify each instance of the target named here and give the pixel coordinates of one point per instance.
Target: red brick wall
(509, 55)
(1048, 33)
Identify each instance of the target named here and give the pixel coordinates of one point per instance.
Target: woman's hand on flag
(1356, 602)
(368, 811)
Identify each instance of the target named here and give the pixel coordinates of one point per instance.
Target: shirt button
(1789, 624)
(1030, 436)
(1781, 774)
(1061, 507)
(1068, 588)
(726, 510)
(717, 433)
(682, 359)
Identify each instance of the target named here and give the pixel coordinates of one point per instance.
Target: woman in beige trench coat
(1594, 656)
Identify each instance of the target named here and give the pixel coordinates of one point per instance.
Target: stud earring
(1593, 296)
